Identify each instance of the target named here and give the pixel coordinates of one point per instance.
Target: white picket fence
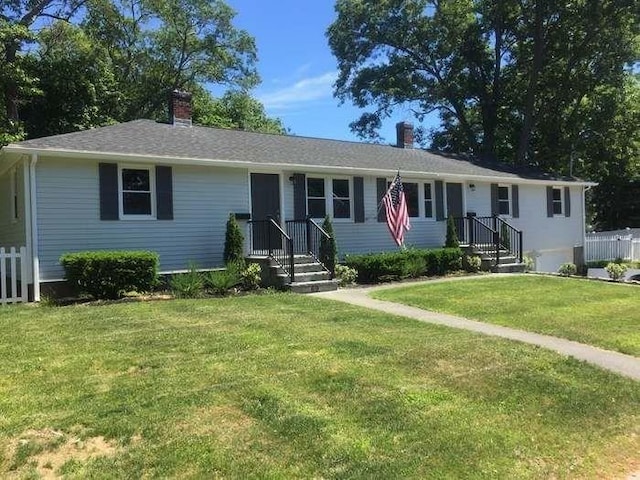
(599, 247)
(12, 263)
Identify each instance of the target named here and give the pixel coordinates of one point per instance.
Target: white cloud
(303, 91)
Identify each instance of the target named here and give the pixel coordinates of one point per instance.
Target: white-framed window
(13, 179)
(428, 200)
(331, 195)
(341, 195)
(420, 198)
(136, 190)
(557, 201)
(504, 200)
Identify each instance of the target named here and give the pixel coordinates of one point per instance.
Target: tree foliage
(549, 84)
(95, 62)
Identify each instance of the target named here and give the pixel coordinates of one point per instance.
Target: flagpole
(393, 182)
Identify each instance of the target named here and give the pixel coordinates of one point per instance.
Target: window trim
(508, 201)
(328, 196)
(423, 215)
(560, 201)
(152, 192)
(13, 199)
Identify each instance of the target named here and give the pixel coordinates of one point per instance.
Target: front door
(455, 207)
(265, 203)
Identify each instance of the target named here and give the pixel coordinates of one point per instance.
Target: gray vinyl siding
(549, 240)
(12, 233)
(69, 216)
(372, 236)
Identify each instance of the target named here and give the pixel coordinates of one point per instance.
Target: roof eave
(139, 158)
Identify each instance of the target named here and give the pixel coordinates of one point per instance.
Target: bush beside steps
(409, 263)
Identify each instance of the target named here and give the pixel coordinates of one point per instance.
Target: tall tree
(235, 109)
(16, 19)
(76, 83)
(160, 45)
(491, 68)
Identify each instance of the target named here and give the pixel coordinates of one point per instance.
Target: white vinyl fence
(599, 247)
(13, 275)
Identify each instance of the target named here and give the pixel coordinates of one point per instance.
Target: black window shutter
(358, 199)
(381, 187)
(515, 201)
(549, 201)
(164, 193)
(567, 202)
(108, 175)
(439, 200)
(495, 209)
(299, 196)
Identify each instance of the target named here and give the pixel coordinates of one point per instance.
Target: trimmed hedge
(109, 274)
(604, 263)
(410, 263)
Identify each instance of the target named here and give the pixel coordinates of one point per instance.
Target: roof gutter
(128, 157)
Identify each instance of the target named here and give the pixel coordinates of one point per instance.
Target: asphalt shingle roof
(150, 138)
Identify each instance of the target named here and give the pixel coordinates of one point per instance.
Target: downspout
(27, 215)
(584, 222)
(34, 229)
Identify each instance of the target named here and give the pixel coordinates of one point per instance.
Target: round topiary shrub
(568, 269)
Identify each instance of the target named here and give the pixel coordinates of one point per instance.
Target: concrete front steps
(508, 263)
(309, 276)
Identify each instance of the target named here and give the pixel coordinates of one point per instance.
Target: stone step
(298, 258)
(307, 276)
(509, 268)
(308, 267)
(313, 287)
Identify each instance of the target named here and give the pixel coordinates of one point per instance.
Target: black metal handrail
(510, 238)
(307, 237)
(268, 237)
(490, 234)
(482, 237)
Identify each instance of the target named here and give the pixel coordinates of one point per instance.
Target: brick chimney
(404, 132)
(180, 108)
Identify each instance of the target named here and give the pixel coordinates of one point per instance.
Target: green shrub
(528, 263)
(410, 263)
(251, 276)
(567, 269)
(110, 274)
(451, 240)
(328, 250)
(187, 285)
(346, 275)
(415, 266)
(604, 263)
(616, 271)
(472, 263)
(233, 241)
(221, 282)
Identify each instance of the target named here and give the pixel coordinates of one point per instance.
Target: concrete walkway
(616, 362)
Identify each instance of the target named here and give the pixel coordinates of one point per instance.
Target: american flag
(395, 206)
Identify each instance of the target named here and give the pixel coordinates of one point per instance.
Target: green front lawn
(602, 314)
(285, 386)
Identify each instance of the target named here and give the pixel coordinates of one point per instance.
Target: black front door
(265, 203)
(454, 200)
(454, 208)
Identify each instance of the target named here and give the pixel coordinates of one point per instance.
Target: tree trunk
(530, 99)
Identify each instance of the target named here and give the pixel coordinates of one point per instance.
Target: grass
(602, 314)
(285, 386)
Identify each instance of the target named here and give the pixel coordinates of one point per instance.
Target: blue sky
(298, 69)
